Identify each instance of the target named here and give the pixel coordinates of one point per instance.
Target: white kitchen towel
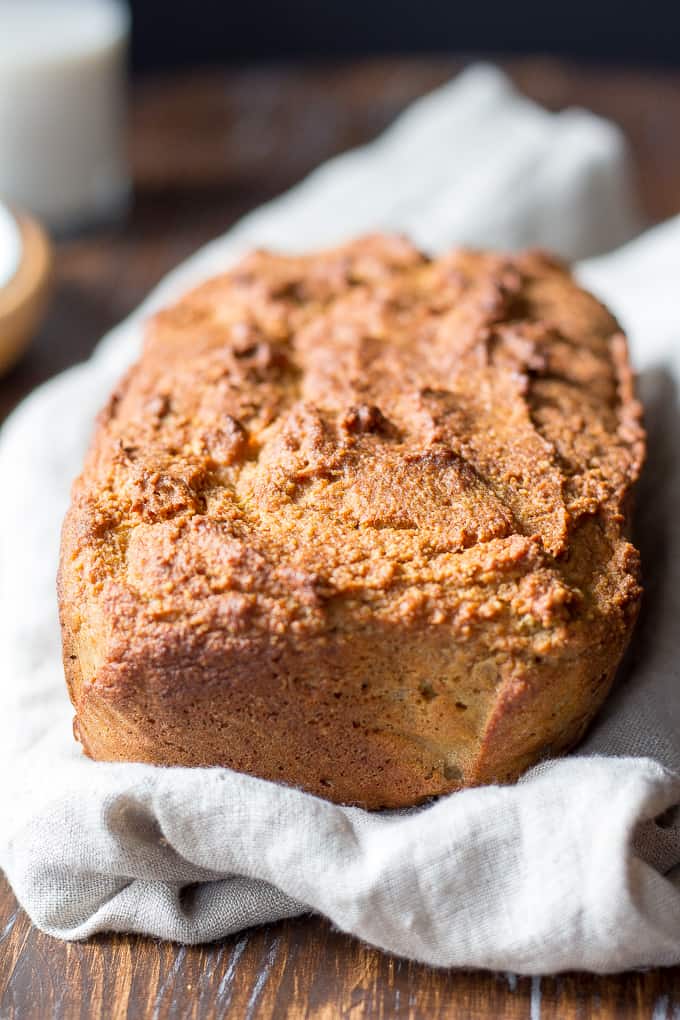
(570, 868)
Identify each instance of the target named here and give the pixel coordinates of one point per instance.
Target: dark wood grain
(206, 148)
(300, 968)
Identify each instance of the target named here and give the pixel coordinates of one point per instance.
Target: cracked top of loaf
(364, 426)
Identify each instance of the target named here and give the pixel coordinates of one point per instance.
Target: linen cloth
(570, 868)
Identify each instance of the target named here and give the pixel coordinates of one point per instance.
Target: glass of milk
(62, 109)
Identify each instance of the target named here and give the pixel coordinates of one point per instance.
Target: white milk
(62, 108)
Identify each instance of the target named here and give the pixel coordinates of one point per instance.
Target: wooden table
(206, 148)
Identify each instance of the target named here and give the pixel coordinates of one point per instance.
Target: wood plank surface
(300, 968)
(207, 147)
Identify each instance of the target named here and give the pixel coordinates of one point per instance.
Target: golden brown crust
(356, 521)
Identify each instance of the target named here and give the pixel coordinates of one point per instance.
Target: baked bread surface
(356, 522)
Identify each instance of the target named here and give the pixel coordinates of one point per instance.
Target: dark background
(181, 33)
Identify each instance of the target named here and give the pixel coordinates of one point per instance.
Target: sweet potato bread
(356, 522)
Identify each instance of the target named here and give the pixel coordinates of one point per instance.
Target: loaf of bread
(356, 522)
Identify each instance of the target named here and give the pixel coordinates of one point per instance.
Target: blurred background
(174, 33)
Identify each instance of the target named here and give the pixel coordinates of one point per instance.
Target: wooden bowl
(23, 299)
